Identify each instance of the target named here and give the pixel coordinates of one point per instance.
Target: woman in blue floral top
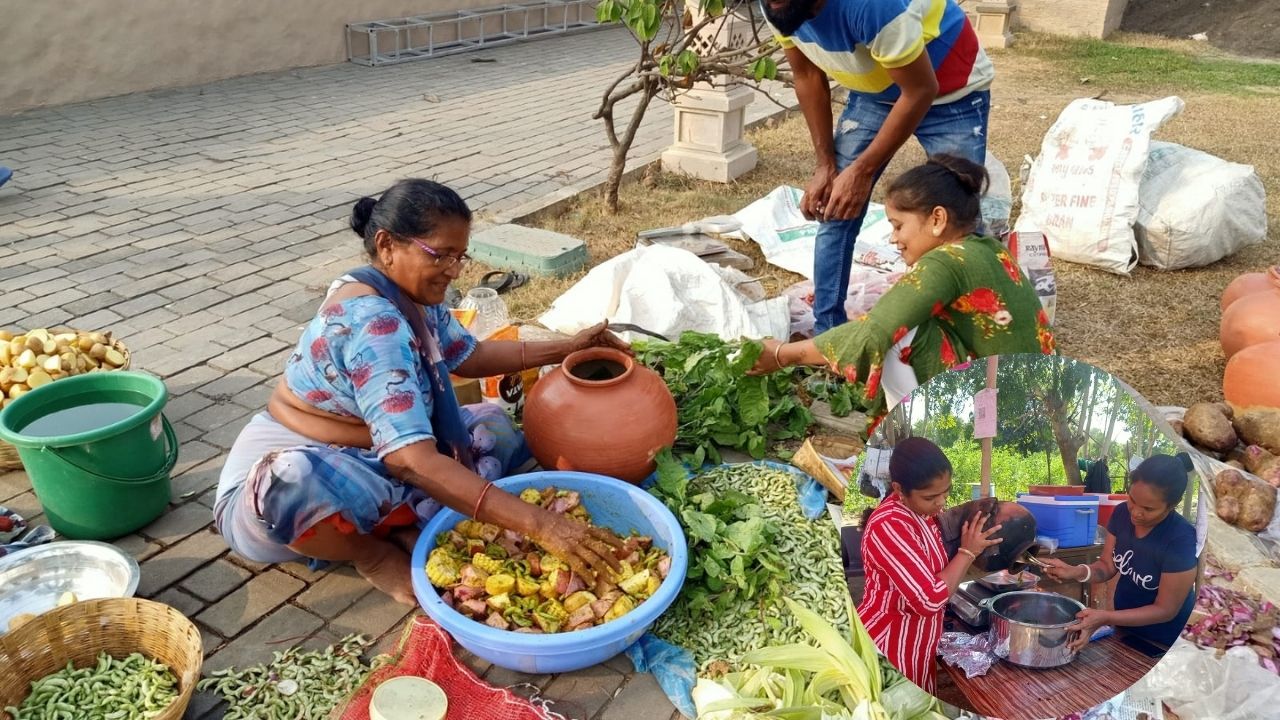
(363, 438)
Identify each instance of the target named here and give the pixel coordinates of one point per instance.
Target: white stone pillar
(710, 120)
(995, 23)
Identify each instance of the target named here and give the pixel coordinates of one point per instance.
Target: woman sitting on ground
(364, 438)
(964, 297)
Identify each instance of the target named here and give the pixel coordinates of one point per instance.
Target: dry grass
(1156, 330)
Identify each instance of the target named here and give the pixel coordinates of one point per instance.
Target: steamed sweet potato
(1207, 426)
(1260, 426)
(1243, 500)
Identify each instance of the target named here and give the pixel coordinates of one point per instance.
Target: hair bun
(1185, 459)
(361, 212)
(972, 176)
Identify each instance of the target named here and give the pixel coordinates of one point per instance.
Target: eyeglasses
(444, 262)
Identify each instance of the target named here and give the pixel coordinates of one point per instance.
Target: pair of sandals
(500, 281)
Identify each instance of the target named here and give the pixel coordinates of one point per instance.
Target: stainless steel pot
(1029, 628)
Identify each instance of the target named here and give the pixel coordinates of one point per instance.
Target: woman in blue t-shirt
(1153, 550)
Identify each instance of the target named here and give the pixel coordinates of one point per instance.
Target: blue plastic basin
(613, 504)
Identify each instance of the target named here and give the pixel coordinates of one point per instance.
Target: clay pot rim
(597, 353)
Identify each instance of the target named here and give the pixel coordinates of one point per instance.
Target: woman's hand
(976, 540)
(598, 336)
(1087, 623)
(1059, 571)
(588, 550)
(768, 362)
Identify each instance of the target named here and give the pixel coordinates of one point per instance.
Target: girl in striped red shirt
(908, 575)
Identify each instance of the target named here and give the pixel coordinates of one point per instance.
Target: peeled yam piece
(1206, 425)
(19, 375)
(98, 351)
(53, 363)
(114, 357)
(17, 389)
(1260, 426)
(16, 346)
(5, 356)
(38, 378)
(5, 336)
(40, 333)
(27, 359)
(34, 344)
(50, 347)
(100, 338)
(85, 343)
(67, 598)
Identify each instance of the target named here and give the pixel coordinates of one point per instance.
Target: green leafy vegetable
(718, 403)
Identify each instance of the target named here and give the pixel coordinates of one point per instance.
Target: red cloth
(904, 598)
(426, 651)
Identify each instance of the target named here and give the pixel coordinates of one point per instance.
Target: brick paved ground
(202, 225)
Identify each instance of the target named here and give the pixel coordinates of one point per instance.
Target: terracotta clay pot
(1250, 378)
(1250, 320)
(600, 412)
(1250, 283)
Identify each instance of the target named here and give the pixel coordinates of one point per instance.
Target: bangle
(524, 365)
(777, 350)
(972, 556)
(1088, 573)
(475, 514)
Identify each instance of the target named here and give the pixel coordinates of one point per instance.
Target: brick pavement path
(202, 225)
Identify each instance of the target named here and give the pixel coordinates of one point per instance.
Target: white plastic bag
(1195, 209)
(1082, 191)
(787, 239)
(997, 203)
(1031, 251)
(667, 291)
(1197, 684)
(866, 287)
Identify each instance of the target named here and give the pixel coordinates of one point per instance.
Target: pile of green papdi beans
(131, 689)
(296, 685)
(811, 550)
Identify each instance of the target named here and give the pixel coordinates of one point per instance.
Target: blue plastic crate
(1071, 522)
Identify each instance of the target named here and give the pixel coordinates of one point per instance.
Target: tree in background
(674, 56)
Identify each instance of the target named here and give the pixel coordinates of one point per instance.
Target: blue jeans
(959, 128)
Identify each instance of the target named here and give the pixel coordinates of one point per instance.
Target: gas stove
(966, 603)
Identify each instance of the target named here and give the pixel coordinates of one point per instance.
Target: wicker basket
(9, 459)
(77, 633)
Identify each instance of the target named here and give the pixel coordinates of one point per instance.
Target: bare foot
(388, 571)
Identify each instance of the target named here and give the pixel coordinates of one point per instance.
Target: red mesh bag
(426, 651)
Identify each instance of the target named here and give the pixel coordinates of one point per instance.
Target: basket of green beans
(109, 659)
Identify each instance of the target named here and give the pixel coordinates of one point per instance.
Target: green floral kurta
(967, 299)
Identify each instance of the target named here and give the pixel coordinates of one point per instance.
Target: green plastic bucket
(100, 480)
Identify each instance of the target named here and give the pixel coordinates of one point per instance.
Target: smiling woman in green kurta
(963, 297)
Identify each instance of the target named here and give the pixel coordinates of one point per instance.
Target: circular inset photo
(1023, 538)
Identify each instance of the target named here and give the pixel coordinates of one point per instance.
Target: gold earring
(937, 232)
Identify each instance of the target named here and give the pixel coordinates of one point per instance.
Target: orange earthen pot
(600, 412)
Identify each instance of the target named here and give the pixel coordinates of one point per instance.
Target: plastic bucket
(611, 503)
(98, 481)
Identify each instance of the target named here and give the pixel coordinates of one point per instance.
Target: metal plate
(1004, 581)
(32, 580)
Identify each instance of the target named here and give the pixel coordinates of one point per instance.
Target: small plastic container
(408, 698)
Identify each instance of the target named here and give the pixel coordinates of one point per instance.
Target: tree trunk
(1111, 426)
(1068, 443)
(1090, 398)
(622, 147)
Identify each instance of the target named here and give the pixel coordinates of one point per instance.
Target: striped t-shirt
(904, 597)
(856, 42)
